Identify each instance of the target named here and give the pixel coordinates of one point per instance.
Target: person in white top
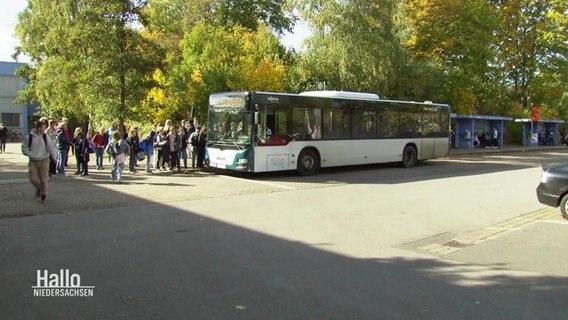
(39, 148)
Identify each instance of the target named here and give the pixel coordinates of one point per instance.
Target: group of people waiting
(174, 144)
(49, 143)
(171, 144)
(486, 139)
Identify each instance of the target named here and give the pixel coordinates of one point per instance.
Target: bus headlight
(242, 163)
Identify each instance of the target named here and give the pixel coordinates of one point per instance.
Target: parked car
(553, 188)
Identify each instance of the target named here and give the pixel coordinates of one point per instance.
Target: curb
(491, 232)
(465, 152)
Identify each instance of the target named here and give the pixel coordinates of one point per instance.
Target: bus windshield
(230, 122)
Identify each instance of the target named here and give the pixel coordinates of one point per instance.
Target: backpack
(113, 149)
(30, 138)
(90, 146)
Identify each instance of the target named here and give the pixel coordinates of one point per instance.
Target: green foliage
(150, 60)
(216, 59)
(532, 51)
(354, 45)
(251, 14)
(88, 60)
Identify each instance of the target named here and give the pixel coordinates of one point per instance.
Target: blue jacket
(147, 144)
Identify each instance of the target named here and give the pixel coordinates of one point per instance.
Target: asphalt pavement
(152, 255)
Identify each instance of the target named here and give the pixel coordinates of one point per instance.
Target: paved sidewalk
(97, 191)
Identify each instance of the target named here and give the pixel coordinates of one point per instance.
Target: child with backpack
(117, 148)
(40, 150)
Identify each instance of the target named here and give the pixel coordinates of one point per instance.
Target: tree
(216, 59)
(182, 26)
(458, 36)
(532, 51)
(357, 45)
(88, 59)
(250, 13)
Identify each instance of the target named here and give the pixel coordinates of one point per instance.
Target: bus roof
(342, 95)
(338, 95)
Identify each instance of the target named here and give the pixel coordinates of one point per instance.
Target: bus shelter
(541, 133)
(472, 131)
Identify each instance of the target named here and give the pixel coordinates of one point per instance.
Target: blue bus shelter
(471, 131)
(541, 133)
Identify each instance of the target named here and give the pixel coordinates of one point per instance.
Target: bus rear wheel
(409, 157)
(308, 163)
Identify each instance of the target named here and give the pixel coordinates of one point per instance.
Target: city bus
(265, 131)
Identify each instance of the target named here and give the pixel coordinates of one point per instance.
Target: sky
(9, 10)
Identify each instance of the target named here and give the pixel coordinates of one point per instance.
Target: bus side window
(337, 124)
(364, 126)
(391, 123)
(305, 123)
(281, 123)
(381, 132)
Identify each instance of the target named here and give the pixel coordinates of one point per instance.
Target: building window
(9, 86)
(11, 119)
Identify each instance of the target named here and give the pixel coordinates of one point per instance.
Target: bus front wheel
(409, 156)
(308, 163)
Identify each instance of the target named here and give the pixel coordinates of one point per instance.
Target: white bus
(263, 131)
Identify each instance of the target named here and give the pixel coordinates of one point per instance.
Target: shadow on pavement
(386, 173)
(159, 262)
(393, 173)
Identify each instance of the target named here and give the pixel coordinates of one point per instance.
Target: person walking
(117, 148)
(40, 150)
(3, 137)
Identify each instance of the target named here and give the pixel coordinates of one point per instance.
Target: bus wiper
(237, 145)
(226, 142)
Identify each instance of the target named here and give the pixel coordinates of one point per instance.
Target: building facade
(13, 115)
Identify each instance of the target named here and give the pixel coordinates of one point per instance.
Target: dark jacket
(133, 143)
(3, 133)
(61, 142)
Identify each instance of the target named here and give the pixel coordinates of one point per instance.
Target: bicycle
(14, 136)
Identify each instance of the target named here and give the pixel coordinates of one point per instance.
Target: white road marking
(556, 221)
(271, 184)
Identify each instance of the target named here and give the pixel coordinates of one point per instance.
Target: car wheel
(564, 206)
(308, 163)
(409, 157)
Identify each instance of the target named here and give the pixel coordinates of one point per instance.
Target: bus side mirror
(256, 116)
